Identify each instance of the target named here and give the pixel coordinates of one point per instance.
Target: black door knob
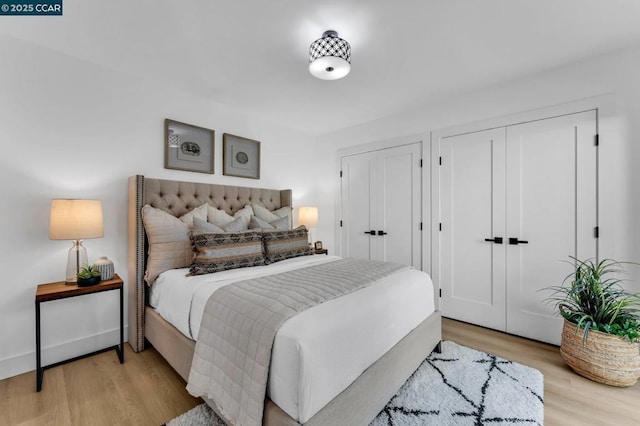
(497, 240)
(515, 241)
(382, 233)
(372, 232)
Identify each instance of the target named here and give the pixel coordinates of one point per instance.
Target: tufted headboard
(177, 198)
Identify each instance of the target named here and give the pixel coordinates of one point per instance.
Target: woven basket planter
(604, 358)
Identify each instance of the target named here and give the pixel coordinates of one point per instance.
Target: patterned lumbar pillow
(281, 245)
(214, 252)
(169, 245)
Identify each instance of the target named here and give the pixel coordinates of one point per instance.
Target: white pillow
(200, 225)
(264, 214)
(218, 217)
(238, 224)
(199, 212)
(281, 224)
(169, 244)
(221, 218)
(246, 211)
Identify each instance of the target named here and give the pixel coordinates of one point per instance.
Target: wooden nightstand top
(60, 290)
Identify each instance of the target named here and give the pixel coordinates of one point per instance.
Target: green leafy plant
(595, 299)
(88, 271)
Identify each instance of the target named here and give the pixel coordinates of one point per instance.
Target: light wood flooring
(146, 391)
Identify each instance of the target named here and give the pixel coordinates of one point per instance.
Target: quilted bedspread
(233, 352)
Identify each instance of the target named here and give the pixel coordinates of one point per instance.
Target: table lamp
(308, 216)
(75, 220)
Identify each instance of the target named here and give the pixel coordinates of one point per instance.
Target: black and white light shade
(329, 57)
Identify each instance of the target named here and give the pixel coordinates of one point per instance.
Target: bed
(356, 404)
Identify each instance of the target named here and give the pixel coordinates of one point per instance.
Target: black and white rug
(460, 386)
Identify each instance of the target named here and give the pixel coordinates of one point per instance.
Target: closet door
(357, 174)
(399, 209)
(472, 204)
(551, 204)
(382, 205)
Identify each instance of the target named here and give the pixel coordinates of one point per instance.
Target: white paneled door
(515, 203)
(551, 204)
(381, 205)
(472, 207)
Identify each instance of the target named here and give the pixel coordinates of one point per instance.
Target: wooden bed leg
(438, 348)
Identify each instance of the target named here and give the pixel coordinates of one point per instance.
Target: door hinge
(421, 226)
(340, 173)
(440, 292)
(596, 232)
(597, 140)
(340, 224)
(440, 226)
(441, 161)
(421, 162)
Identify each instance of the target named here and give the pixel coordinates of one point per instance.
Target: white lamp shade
(308, 216)
(329, 68)
(75, 219)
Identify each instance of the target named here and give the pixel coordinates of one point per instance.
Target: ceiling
(253, 54)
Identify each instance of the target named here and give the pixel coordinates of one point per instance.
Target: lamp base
(76, 259)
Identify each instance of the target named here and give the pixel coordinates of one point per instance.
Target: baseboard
(26, 362)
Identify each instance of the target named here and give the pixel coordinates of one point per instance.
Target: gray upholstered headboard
(177, 198)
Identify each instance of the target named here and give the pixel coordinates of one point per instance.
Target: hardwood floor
(98, 391)
(146, 391)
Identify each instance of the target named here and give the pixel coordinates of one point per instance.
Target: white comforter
(319, 352)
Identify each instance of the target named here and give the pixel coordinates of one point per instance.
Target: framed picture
(241, 157)
(318, 245)
(188, 147)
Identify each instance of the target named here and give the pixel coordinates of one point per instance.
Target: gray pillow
(241, 223)
(281, 224)
(264, 214)
(203, 225)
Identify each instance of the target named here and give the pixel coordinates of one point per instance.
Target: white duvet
(319, 352)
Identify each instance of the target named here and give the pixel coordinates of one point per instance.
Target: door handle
(382, 233)
(515, 241)
(372, 232)
(497, 240)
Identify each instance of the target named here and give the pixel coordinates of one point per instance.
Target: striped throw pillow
(214, 252)
(281, 245)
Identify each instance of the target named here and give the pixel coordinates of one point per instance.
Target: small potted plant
(601, 333)
(88, 275)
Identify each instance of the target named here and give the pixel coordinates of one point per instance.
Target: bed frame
(358, 404)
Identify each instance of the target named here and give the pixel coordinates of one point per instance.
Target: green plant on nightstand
(600, 338)
(88, 275)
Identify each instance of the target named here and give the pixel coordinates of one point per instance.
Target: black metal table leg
(121, 351)
(39, 370)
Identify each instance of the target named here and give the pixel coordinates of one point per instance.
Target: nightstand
(321, 251)
(60, 290)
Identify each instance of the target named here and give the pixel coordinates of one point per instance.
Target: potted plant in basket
(88, 275)
(601, 333)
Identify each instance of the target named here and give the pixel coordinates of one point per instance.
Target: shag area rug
(460, 386)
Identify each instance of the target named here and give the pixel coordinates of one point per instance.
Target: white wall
(615, 74)
(74, 130)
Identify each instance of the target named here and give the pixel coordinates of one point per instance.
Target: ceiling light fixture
(329, 57)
